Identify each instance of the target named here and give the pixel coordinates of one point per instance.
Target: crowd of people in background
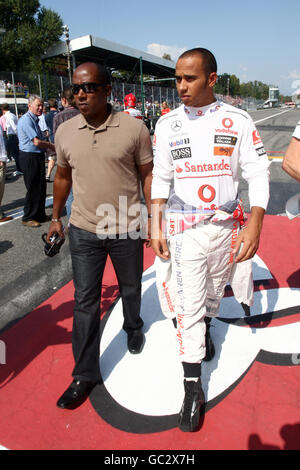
(52, 114)
(32, 158)
(8, 87)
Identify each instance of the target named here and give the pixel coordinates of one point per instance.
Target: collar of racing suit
(195, 113)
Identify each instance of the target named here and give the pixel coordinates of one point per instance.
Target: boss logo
(184, 152)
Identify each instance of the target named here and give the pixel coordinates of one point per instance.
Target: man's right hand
(158, 240)
(55, 227)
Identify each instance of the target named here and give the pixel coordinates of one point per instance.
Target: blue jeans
(69, 203)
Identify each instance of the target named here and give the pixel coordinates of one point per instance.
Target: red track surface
(262, 411)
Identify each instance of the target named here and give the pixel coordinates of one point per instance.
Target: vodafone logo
(206, 193)
(256, 137)
(227, 122)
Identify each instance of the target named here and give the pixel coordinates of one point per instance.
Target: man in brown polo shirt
(104, 155)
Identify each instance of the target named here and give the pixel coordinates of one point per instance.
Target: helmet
(130, 100)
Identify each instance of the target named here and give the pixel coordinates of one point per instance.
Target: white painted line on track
(273, 115)
(19, 213)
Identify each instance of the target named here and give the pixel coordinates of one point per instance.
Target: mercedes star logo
(176, 125)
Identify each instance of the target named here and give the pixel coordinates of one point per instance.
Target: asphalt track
(260, 402)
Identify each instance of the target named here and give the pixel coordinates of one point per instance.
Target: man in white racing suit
(199, 148)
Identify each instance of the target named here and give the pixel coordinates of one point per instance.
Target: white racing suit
(198, 151)
(133, 112)
(191, 284)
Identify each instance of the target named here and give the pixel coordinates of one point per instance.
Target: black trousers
(13, 149)
(89, 255)
(33, 168)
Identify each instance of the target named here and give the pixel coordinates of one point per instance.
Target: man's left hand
(249, 237)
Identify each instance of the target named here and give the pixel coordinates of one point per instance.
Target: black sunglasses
(90, 87)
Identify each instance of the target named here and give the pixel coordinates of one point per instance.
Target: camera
(52, 248)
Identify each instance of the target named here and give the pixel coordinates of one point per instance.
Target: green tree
(227, 84)
(222, 83)
(29, 30)
(234, 86)
(255, 89)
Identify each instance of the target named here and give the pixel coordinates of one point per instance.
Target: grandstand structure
(112, 55)
(70, 54)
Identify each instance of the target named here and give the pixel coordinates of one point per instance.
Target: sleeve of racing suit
(255, 165)
(163, 169)
(296, 132)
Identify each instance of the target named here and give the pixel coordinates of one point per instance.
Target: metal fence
(18, 86)
(15, 88)
(42, 85)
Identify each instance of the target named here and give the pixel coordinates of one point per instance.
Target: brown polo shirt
(106, 184)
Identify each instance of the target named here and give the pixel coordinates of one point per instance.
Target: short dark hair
(52, 103)
(67, 94)
(209, 60)
(103, 73)
(5, 107)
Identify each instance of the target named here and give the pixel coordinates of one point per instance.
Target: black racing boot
(246, 309)
(209, 345)
(189, 416)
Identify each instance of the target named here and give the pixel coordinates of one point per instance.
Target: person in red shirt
(165, 108)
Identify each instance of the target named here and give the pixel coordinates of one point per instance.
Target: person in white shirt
(199, 148)
(291, 161)
(12, 136)
(3, 160)
(130, 106)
